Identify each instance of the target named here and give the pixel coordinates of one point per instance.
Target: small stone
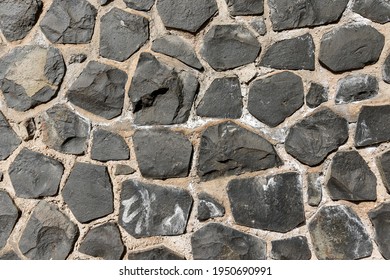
(294, 248)
(77, 58)
(218, 242)
(229, 46)
(29, 129)
(317, 95)
(35, 175)
(337, 233)
(245, 7)
(123, 169)
(314, 189)
(356, 87)
(105, 2)
(386, 70)
(375, 10)
(88, 192)
(9, 140)
(107, 146)
(1, 176)
(141, 5)
(380, 219)
(222, 99)
(158, 253)
(9, 256)
(142, 213)
(383, 162)
(313, 138)
(258, 24)
(9, 214)
(209, 208)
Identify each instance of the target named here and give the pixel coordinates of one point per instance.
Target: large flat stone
(9, 214)
(355, 88)
(9, 140)
(379, 217)
(245, 7)
(294, 248)
(159, 253)
(375, 10)
(108, 145)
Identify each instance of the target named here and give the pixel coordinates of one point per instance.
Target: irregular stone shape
(29, 129)
(105, 2)
(313, 138)
(104, 242)
(69, 22)
(222, 99)
(178, 48)
(107, 146)
(245, 7)
(272, 203)
(122, 169)
(1, 176)
(294, 248)
(373, 125)
(380, 219)
(375, 10)
(143, 214)
(383, 162)
(88, 192)
(77, 58)
(34, 175)
(259, 26)
(9, 256)
(356, 87)
(229, 46)
(386, 70)
(9, 214)
(228, 149)
(337, 233)
(100, 89)
(272, 99)
(350, 47)
(141, 5)
(9, 140)
(18, 17)
(158, 253)
(218, 242)
(286, 14)
(293, 54)
(48, 235)
(187, 15)
(30, 76)
(314, 189)
(165, 98)
(317, 95)
(209, 208)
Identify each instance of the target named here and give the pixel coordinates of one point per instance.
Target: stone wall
(207, 129)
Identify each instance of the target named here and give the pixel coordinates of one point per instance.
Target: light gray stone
(9, 214)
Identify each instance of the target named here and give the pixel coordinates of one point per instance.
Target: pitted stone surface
(294, 248)
(375, 10)
(141, 5)
(314, 189)
(158, 253)
(357, 87)
(317, 95)
(209, 208)
(386, 70)
(383, 162)
(9, 140)
(380, 220)
(245, 7)
(107, 146)
(9, 214)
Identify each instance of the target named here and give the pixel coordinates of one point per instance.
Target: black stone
(314, 189)
(383, 162)
(107, 146)
(141, 5)
(380, 219)
(9, 256)
(122, 169)
(1, 176)
(9, 140)
(375, 10)
(77, 58)
(209, 208)
(294, 248)
(259, 26)
(158, 253)
(317, 95)
(105, 2)
(356, 87)
(386, 70)
(9, 214)
(245, 7)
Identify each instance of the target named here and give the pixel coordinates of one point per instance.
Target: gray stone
(88, 192)
(245, 7)
(314, 189)
(375, 10)
(272, 203)
(141, 5)
(209, 208)
(356, 87)
(337, 233)
(77, 58)
(9, 140)
(222, 99)
(383, 162)
(158, 253)
(69, 22)
(107, 146)
(105, 2)
(294, 248)
(1, 176)
(313, 138)
(350, 47)
(229, 46)
(380, 219)
(228, 149)
(143, 214)
(9, 214)
(259, 26)
(123, 169)
(30, 128)
(218, 242)
(317, 95)
(386, 70)
(162, 153)
(9, 256)
(100, 89)
(35, 175)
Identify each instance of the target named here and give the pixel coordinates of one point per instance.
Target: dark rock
(9, 214)
(314, 189)
(375, 10)
(165, 98)
(383, 162)
(88, 192)
(380, 219)
(337, 233)
(386, 70)
(228, 149)
(100, 89)
(158, 253)
(141, 5)
(229, 46)
(122, 169)
(218, 242)
(34, 175)
(9, 140)
(245, 7)
(294, 248)
(107, 146)
(1, 176)
(69, 22)
(143, 214)
(356, 87)
(162, 153)
(259, 26)
(209, 208)
(29, 128)
(105, 2)
(9, 256)
(313, 138)
(222, 99)
(317, 95)
(350, 47)
(77, 58)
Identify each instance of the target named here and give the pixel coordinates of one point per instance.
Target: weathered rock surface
(141, 5)
(245, 7)
(375, 10)
(105, 2)
(380, 219)
(294, 248)
(317, 95)
(386, 70)
(314, 189)
(107, 146)
(9, 140)
(9, 256)
(158, 253)
(258, 24)
(123, 169)
(356, 87)
(209, 208)
(9, 214)
(383, 162)
(77, 58)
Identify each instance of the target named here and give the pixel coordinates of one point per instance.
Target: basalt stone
(272, 99)
(229, 46)
(9, 256)
(259, 26)
(88, 192)
(383, 162)
(228, 149)
(313, 138)
(314, 189)
(375, 10)
(218, 242)
(107, 146)
(380, 219)
(245, 7)
(159, 253)
(294, 248)
(35, 175)
(77, 58)
(386, 70)
(48, 235)
(141, 5)
(209, 208)
(272, 203)
(123, 169)
(337, 233)
(317, 95)
(162, 154)
(358, 87)
(9, 140)
(69, 22)
(9, 214)
(29, 129)
(143, 214)
(105, 2)
(1, 176)
(350, 47)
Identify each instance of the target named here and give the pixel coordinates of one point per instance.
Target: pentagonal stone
(314, 189)
(88, 192)
(48, 235)
(228, 149)
(294, 248)
(141, 5)
(375, 10)
(209, 208)
(143, 214)
(383, 162)
(273, 203)
(107, 146)
(229, 46)
(350, 47)
(30, 76)
(9, 256)
(245, 7)
(317, 95)
(313, 138)
(9, 214)
(69, 22)
(337, 233)
(34, 175)
(386, 70)
(380, 219)
(9, 140)
(356, 87)
(158, 253)
(218, 242)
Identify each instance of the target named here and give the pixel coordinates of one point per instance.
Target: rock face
(209, 208)
(158, 253)
(380, 219)
(383, 162)
(9, 214)
(356, 88)
(108, 146)
(317, 95)
(386, 70)
(375, 10)
(294, 248)
(314, 189)
(143, 5)
(9, 256)
(9, 140)
(122, 169)
(245, 7)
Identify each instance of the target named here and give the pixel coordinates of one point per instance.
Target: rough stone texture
(258, 24)
(386, 70)
(354, 88)
(218, 242)
(9, 140)
(122, 169)
(141, 5)
(380, 220)
(9, 256)
(245, 7)
(142, 214)
(294, 248)
(158, 253)
(317, 95)
(314, 189)
(105, 2)
(9, 214)
(383, 162)
(375, 10)
(77, 58)
(209, 208)
(107, 146)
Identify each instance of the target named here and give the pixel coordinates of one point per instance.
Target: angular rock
(9, 214)
(141, 5)
(356, 87)
(122, 169)
(317, 95)
(350, 47)
(143, 214)
(35, 175)
(228, 149)
(1, 176)
(218, 242)
(9, 256)
(386, 70)
(380, 219)
(314, 189)
(77, 58)
(245, 7)
(313, 138)
(209, 208)
(375, 10)
(229, 46)
(9, 140)
(337, 233)
(294, 248)
(105, 2)
(383, 162)
(88, 192)
(158, 253)
(107, 146)
(259, 26)
(29, 129)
